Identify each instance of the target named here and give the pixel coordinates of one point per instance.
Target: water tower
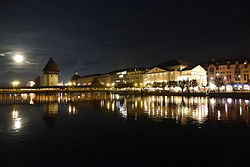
(51, 72)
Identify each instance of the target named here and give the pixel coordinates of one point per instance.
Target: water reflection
(183, 110)
(16, 119)
(72, 109)
(51, 114)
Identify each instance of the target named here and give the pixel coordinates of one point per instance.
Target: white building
(175, 70)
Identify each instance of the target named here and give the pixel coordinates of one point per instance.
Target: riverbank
(228, 94)
(120, 92)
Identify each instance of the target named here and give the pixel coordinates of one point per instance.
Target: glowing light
(68, 84)
(17, 123)
(15, 83)
(18, 58)
(229, 100)
(16, 119)
(212, 86)
(31, 83)
(246, 101)
(212, 101)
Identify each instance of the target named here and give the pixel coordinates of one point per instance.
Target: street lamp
(15, 83)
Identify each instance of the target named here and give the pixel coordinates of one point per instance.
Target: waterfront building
(175, 70)
(75, 78)
(234, 71)
(51, 72)
(132, 76)
(88, 80)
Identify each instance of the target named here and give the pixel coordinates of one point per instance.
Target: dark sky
(100, 36)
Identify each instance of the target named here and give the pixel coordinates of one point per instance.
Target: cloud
(29, 62)
(6, 53)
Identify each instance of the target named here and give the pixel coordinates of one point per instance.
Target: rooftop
(51, 67)
(225, 61)
(171, 63)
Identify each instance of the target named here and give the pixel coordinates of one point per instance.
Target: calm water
(113, 130)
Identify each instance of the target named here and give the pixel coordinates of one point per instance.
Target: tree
(193, 83)
(163, 85)
(219, 82)
(156, 85)
(172, 84)
(183, 84)
(38, 81)
(148, 85)
(124, 85)
(96, 83)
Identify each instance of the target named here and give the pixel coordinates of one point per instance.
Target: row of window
(211, 69)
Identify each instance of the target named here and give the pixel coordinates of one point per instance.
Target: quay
(79, 89)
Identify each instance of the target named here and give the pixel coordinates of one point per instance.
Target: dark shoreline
(132, 92)
(229, 94)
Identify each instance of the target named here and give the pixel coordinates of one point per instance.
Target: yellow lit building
(103, 79)
(175, 70)
(128, 76)
(234, 71)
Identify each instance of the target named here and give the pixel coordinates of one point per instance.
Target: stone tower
(50, 72)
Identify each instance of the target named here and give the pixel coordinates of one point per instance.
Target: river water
(112, 130)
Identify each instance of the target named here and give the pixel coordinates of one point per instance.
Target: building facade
(51, 72)
(235, 72)
(175, 70)
(132, 76)
(88, 80)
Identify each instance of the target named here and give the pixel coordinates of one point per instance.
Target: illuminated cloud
(6, 53)
(30, 62)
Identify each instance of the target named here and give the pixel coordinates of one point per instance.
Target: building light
(68, 84)
(15, 83)
(31, 83)
(212, 86)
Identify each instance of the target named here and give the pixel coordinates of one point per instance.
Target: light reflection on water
(183, 110)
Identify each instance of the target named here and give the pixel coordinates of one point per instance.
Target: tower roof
(51, 67)
(75, 76)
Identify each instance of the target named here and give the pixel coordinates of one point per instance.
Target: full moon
(18, 58)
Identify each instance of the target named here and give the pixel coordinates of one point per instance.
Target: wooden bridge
(52, 89)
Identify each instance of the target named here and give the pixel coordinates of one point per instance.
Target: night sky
(100, 36)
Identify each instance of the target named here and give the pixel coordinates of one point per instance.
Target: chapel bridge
(84, 89)
(55, 89)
